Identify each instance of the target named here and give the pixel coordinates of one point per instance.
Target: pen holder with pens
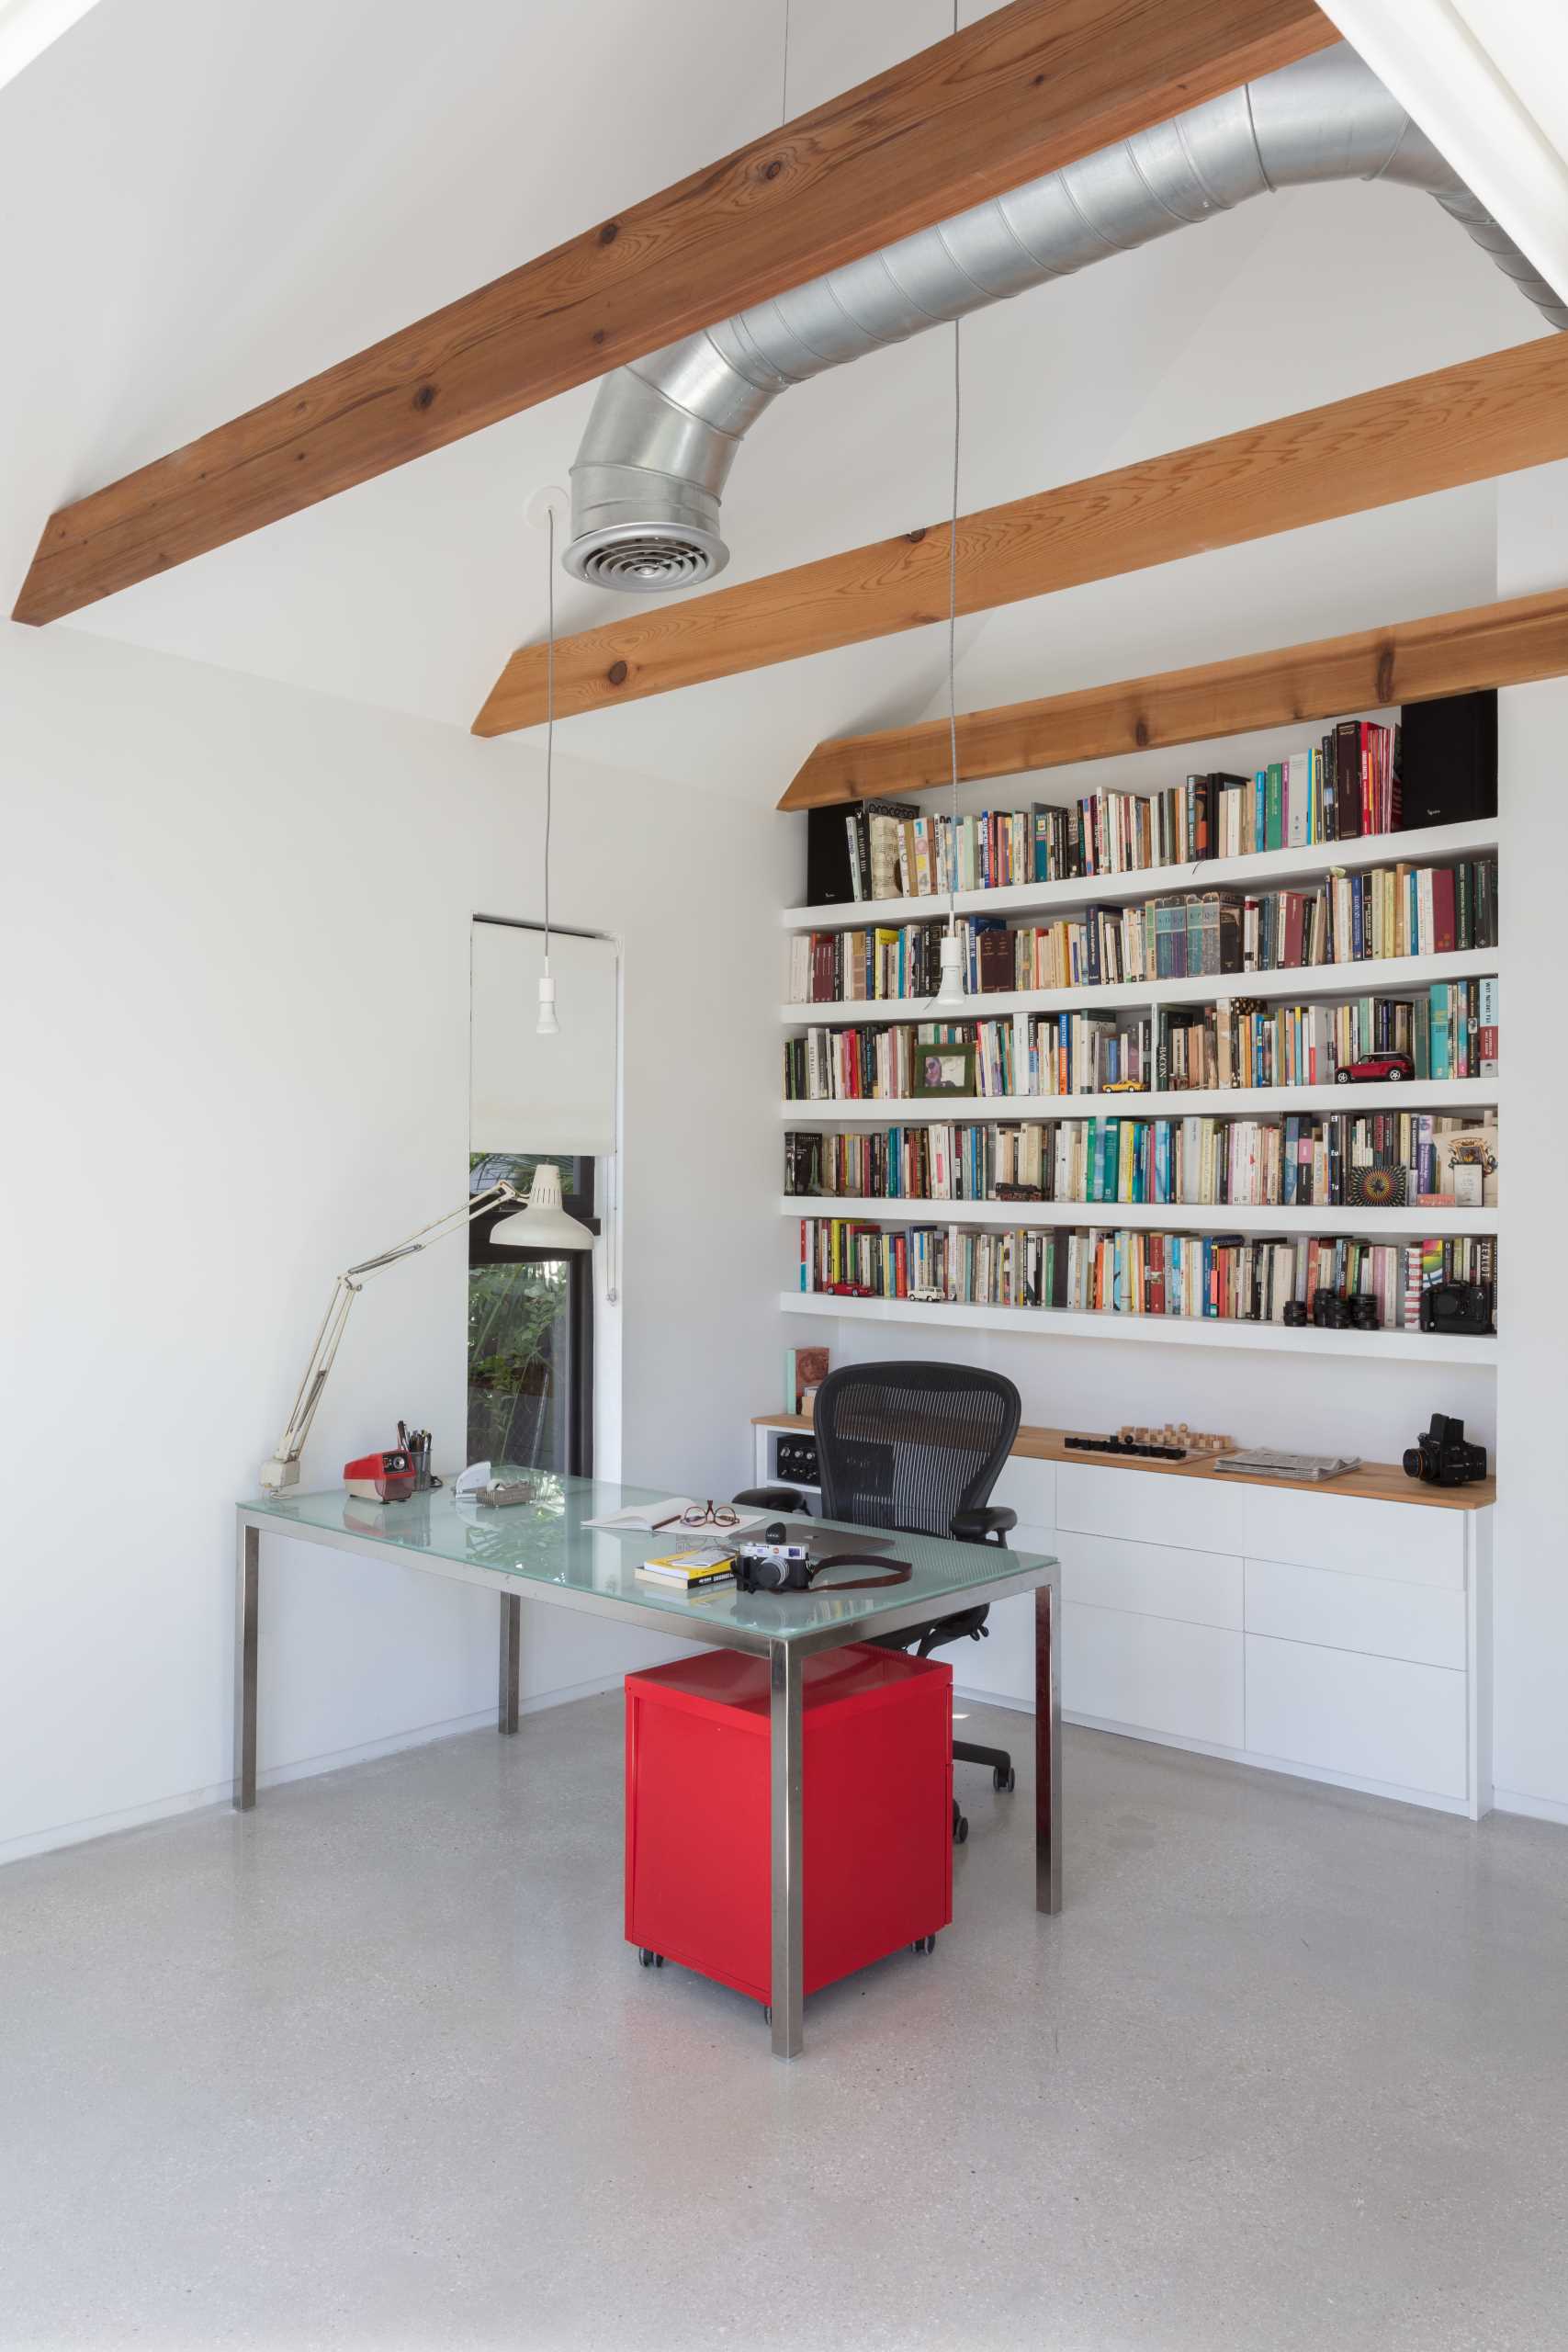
(417, 1444)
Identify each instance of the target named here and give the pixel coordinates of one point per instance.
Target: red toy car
(1372, 1067)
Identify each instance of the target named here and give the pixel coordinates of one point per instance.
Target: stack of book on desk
(690, 1571)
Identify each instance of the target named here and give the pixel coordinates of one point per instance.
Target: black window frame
(483, 1250)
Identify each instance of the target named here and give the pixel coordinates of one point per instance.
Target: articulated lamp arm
(283, 1470)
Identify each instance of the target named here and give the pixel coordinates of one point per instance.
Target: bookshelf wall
(1472, 1099)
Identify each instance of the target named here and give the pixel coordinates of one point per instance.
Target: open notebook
(641, 1519)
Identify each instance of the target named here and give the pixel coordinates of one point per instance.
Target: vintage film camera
(1458, 1306)
(1443, 1456)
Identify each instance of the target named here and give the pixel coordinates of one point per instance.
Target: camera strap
(896, 1572)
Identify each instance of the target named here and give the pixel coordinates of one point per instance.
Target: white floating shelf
(1369, 977)
(1234, 1102)
(1167, 1330)
(1224, 1217)
(1439, 842)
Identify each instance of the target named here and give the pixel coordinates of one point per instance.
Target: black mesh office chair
(916, 1447)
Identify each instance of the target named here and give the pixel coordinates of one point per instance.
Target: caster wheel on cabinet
(924, 1945)
(650, 1959)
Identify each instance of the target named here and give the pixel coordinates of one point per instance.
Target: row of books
(1449, 1030)
(1376, 1160)
(1118, 1271)
(1347, 918)
(1344, 786)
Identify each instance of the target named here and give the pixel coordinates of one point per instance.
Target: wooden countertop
(1381, 1482)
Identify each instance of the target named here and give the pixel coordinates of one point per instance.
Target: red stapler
(387, 1477)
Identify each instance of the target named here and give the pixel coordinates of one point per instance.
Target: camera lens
(1413, 1462)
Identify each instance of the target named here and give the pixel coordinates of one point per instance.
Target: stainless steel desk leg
(1047, 1752)
(247, 1558)
(510, 1662)
(786, 1668)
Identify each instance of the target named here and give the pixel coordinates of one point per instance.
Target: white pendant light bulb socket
(546, 1026)
(951, 988)
(550, 499)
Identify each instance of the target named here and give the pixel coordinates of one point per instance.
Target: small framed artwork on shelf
(1471, 1155)
(943, 1069)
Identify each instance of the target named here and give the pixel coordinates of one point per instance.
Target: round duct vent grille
(645, 561)
(645, 565)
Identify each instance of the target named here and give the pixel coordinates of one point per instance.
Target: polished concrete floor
(373, 2067)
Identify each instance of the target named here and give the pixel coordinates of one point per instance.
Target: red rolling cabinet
(876, 1811)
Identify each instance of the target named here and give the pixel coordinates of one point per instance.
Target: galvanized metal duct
(664, 431)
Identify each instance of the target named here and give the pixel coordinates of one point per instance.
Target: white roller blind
(542, 1094)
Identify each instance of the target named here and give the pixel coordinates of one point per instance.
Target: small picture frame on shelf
(943, 1069)
(1471, 1155)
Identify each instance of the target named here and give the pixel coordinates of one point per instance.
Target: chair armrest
(988, 1525)
(785, 1498)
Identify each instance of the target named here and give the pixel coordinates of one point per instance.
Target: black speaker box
(827, 878)
(1448, 759)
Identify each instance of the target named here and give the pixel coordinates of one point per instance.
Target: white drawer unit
(1153, 1674)
(1002, 1665)
(1410, 1542)
(1350, 1612)
(1341, 1635)
(1151, 1579)
(1376, 1719)
(1197, 1514)
(1028, 1488)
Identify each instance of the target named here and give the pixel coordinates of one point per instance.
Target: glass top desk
(542, 1551)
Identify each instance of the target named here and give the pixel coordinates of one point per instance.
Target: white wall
(1532, 1572)
(234, 965)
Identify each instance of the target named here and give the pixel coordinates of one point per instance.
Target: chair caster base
(959, 1828)
(1005, 1782)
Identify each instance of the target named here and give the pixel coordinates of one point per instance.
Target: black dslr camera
(1443, 1456)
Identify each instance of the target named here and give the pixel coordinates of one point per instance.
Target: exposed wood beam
(1451, 653)
(1460, 424)
(1031, 86)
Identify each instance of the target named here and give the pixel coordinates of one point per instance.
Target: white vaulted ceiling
(206, 202)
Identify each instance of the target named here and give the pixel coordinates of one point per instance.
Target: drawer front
(1416, 1622)
(1374, 1718)
(1002, 1666)
(1152, 1579)
(1153, 1674)
(1409, 1542)
(1030, 1489)
(1194, 1514)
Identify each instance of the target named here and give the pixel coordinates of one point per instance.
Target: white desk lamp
(540, 1223)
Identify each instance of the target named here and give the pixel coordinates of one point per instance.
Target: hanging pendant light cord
(953, 641)
(784, 92)
(550, 723)
(952, 623)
